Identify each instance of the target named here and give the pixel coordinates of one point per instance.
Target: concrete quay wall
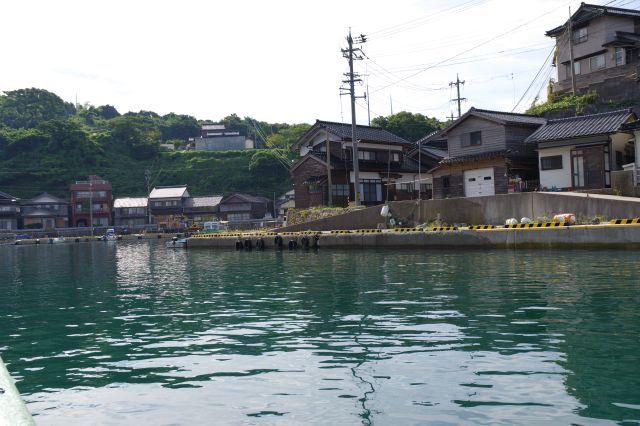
(493, 210)
(588, 236)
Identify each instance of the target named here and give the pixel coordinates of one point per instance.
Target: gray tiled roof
(363, 133)
(586, 125)
(508, 117)
(208, 201)
(129, 202)
(587, 12)
(248, 198)
(45, 198)
(177, 191)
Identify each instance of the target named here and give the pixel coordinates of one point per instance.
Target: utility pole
(571, 64)
(147, 179)
(457, 83)
(352, 79)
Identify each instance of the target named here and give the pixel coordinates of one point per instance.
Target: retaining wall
(492, 210)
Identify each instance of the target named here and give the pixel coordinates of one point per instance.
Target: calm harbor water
(133, 333)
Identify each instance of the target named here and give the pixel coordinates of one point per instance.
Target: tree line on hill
(47, 143)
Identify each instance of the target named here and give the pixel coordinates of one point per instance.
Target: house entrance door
(589, 167)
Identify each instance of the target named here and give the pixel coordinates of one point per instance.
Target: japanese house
(580, 152)
(486, 155)
(45, 212)
(325, 151)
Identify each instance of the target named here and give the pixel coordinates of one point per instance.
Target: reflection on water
(133, 333)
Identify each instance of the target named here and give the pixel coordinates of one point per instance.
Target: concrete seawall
(491, 210)
(586, 236)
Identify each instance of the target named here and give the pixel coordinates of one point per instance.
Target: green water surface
(134, 333)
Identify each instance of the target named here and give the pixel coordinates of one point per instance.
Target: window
(340, 190)
(406, 186)
(552, 162)
(371, 190)
(314, 188)
(596, 62)
(630, 56)
(580, 35)
(426, 187)
(395, 157)
(366, 155)
(577, 68)
(472, 139)
(619, 55)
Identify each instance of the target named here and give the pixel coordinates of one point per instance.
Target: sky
(280, 61)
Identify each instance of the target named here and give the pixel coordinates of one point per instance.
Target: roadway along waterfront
(134, 333)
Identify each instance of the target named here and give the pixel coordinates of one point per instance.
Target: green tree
(408, 125)
(26, 108)
(287, 136)
(138, 134)
(269, 165)
(177, 126)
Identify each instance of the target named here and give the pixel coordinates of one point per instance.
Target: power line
(469, 49)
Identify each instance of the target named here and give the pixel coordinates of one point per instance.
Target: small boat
(177, 243)
(110, 235)
(56, 240)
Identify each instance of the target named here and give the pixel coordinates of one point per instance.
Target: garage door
(479, 182)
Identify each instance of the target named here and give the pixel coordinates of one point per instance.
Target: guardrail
(13, 412)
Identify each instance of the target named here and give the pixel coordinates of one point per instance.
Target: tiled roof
(480, 156)
(586, 125)
(127, 202)
(434, 151)
(248, 198)
(587, 12)
(508, 117)
(343, 131)
(177, 191)
(501, 117)
(45, 198)
(363, 133)
(207, 201)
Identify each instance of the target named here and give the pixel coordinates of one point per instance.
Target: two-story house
(605, 42)
(580, 152)
(167, 205)
(326, 151)
(203, 208)
(9, 212)
(131, 211)
(244, 207)
(486, 155)
(45, 212)
(91, 199)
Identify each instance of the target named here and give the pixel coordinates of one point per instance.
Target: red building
(91, 199)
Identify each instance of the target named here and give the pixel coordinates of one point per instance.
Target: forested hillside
(46, 144)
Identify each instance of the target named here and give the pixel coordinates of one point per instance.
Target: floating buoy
(260, 244)
(239, 245)
(278, 241)
(247, 245)
(293, 244)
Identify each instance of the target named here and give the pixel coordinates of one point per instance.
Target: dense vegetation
(408, 125)
(46, 144)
